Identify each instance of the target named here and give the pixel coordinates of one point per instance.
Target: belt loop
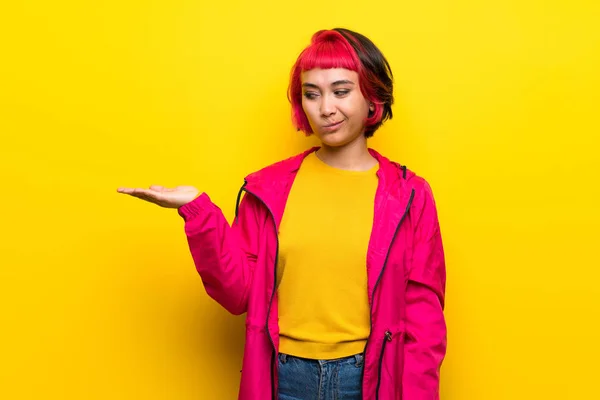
(359, 359)
(283, 358)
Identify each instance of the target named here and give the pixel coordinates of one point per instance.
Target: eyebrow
(336, 83)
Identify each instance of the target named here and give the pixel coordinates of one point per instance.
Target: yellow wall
(497, 106)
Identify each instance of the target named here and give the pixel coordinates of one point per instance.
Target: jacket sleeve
(224, 255)
(425, 345)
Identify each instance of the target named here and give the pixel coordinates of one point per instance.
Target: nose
(327, 107)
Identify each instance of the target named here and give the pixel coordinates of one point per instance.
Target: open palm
(162, 196)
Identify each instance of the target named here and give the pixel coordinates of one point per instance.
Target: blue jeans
(303, 379)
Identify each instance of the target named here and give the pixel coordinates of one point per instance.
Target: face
(334, 105)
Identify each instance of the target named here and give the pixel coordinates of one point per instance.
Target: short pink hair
(341, 48)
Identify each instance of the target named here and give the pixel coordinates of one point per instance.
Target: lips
(333, 127)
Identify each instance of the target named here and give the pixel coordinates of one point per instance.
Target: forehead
(324, 77)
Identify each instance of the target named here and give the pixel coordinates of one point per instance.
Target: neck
(353, 156)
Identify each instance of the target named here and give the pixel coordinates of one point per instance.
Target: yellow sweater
(321, 270)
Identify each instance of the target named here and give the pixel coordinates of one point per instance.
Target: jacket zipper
(273, 354)
(410, 200)
(388, 338)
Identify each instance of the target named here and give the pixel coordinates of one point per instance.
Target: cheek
(363, 105)
(309, 110)
(363, 110)
(357, 107)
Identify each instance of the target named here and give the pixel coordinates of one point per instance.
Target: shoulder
(415, 190)
(407, 183)
(403, 177)
(423, 206)
(418, 183)
(280, 168)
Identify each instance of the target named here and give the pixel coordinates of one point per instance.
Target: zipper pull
(388, 336)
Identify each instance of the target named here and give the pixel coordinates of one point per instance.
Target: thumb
(157, 188)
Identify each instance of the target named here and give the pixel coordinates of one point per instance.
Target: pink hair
(330, 49)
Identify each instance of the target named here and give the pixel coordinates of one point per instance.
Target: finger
(162, 189)
(145, 195)
(138, 192)
(151, 195)
(147, 192)
(131, 191)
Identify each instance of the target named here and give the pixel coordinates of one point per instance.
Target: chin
(337, 139)
(333, 143)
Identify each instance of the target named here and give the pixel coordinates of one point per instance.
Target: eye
(310, 95)
(342, 92)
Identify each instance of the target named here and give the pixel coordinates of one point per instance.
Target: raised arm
(224, 255)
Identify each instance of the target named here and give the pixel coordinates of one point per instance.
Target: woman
(344, 291)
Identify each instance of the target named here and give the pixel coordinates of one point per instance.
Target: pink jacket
(405, 268)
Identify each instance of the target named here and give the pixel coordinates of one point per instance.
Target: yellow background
(497, 106)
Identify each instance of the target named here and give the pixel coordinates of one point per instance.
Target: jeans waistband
(358, 358)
